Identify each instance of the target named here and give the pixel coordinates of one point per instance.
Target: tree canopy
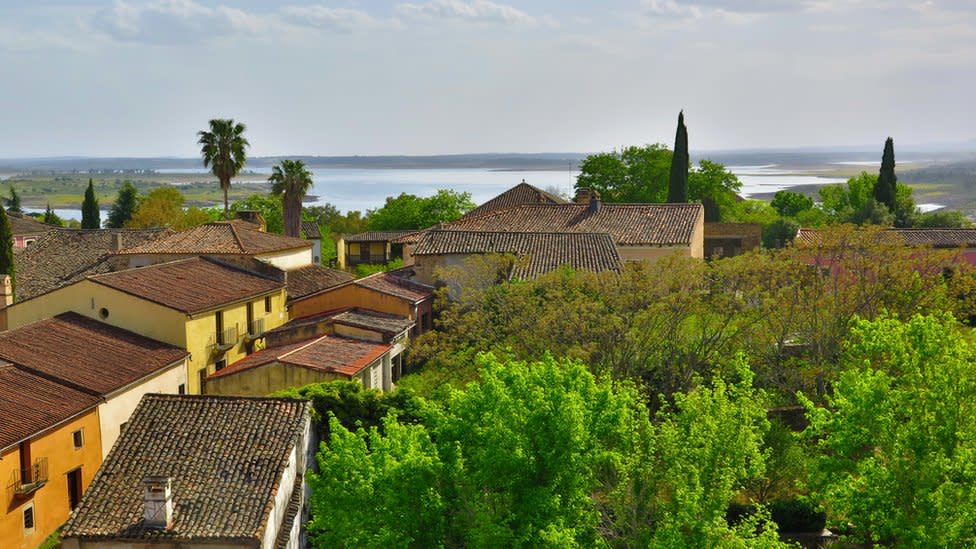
(6, 247)
(13, 203)
(408, 211)
(291, 180)
(224, 150)
(123, 207)
(678, 181)
(90, 214)
(886, 187)
(163, 207)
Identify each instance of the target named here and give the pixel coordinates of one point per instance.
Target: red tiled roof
(221, 237)
(936, 238)
(519, 195)
(189, 285)
(30, 404)
(328, 353)
(86, 354)
(628, 224)
(540, 252)
(377, 236)
(391, 284)
(313, 278)
(25, 225)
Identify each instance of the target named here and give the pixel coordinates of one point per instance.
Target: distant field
(68, 190)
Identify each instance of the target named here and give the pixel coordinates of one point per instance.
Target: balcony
(221, 342)
(24, 482)
(255, 330)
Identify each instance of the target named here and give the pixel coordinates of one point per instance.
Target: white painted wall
(290, 259)
(118, 407)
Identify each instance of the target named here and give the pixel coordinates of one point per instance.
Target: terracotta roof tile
(221, 237)
(328, 353)
(936, 238)
(313, 278)
(628, 224)
(519, 195)
(25, 225)
(373, 320)
(88, 355)
(225, 456)
(310, 229)
(189, 285)
(62, 256)
(377, 236)
(30, 404)
(541, 252)
(389, 283)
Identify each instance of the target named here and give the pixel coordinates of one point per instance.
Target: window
(250, 316)
(78, 438)
(182, 389)
(29, 518)
(219, 316)
(425, 321)
(74, 488)
(29, 241)
(267, 304)
(202, 373)
(220, 364)
(103, 313)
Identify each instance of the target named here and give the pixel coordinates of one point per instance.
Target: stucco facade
(50, 504)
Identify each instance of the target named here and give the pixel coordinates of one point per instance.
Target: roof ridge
(237, 237)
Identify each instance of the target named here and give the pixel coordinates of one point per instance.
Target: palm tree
(222, 149)
(292, 179)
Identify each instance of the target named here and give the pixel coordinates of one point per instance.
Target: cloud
(339, 19)
(474, 11)
(172, 21)
(739, 10)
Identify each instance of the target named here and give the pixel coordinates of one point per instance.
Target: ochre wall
(647, 253)
(350, 295)
(267, 379)
(118, 407)
(51, 504)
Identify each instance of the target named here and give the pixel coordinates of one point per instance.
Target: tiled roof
(63, 256)
(88, 355)
(311, 230)
(189, 285)
(936, 238)
(25, 225)
(327, 353)
(391, 284)
(30, 404)
(628, 224)
(373, 320)
(519, 195)
(225, 456)
(542, 252)
(220, 237)
(377, 236)
(313, 278)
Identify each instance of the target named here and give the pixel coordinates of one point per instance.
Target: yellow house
(215, 311)
(50, 448)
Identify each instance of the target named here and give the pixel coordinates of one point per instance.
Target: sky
(344, 77)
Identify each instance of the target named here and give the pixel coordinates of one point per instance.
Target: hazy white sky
(139, 78)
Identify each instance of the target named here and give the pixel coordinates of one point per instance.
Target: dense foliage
(91, 217)
(13, 203)
(163, 207)
(123, 207)
(544, 455)
(291, 180)
(6, 247)
(408, 211)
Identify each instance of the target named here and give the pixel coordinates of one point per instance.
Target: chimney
(582, 196)
(117, 242)
(594, 202)
(253, 216)
(158, 499)
(6, 291)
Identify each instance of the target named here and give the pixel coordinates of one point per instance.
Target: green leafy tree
(291, 181)
(789, 203)
(163, 207)
(90, 215)
(13, 203)
(779, 233)
(223, 148)
(885, 189)
(842, 204)
(942, 219)
(327, 215)
(52, 218)
(898, 435)
(6, 248)
(678, 180)
(123, 207)
(408, 211)
(268, 205)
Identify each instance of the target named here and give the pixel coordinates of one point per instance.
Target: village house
(641, 232)
(731, 239)
(50, 448)
(519, 195)
(201, 472)
(62, 256)
(962, 240)
(387, 292)
(312, 233)
(357, 344)
(234, 238)
(215, 311)
(113, 364)
(26, 229)
(533, 254)
(372, 247)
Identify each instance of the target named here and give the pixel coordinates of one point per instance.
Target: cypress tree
(6, 247)
(13, 203)
(884, 189)
(90, 216)
(678, 183)
(122, 208)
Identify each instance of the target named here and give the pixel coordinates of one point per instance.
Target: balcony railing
(24, 481)
(222, 341)
(255, 330)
